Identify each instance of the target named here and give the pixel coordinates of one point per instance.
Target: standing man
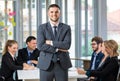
(54, 39)
(30, 54)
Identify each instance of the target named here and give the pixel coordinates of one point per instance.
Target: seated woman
(108, 68)
(9, 63)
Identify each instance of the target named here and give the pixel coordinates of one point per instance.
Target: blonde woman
(108, 68)
(9, 63)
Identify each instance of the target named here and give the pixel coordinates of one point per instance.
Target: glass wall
(71, 21)
(87, 28)
(28, 15)
(113, 20)
(7, 21)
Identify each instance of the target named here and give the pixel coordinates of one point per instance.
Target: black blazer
(23, 55)
(109, 70)
(99, 57)
(8, 67)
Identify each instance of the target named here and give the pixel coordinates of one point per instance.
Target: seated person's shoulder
(101, 54)
(37, 50)
(22, 50)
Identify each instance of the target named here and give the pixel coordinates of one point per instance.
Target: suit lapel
(49, 28)
(26, 53)
(10, 57)
(60, 28)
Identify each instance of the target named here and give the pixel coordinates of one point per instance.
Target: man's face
(32, 44)
(94, 46)
(54, 14)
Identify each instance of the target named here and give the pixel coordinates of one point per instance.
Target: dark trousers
(2, 78)
(54, 72)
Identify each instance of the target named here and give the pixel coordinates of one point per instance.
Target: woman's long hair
(113, 46)
(8, 43)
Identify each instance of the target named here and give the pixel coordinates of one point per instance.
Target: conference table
(33, 75)
(85, 60)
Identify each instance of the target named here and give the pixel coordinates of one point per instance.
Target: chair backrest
(118, 75)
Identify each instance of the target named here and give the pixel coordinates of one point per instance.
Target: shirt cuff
(29, 62)
(56, 50)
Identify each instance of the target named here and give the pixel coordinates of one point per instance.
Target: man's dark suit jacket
(23, 55)
(108, 71)
(8, 67)
(99, 57)
(47, 51)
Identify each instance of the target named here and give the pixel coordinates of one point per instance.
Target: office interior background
(87, 18)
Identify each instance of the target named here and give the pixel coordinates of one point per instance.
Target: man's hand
(25, 64)
(62, 50)
(27, 67)
(49, 42)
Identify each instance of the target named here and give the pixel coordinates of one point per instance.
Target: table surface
(34, 74)
(86, 58)
(89, 58)
(82, 58)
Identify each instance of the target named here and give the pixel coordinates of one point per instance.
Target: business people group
(108, 68)
(9, 63)
(54, 41)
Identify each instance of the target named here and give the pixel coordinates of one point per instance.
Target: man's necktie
(55, 32)
(29, 54)
(29, 58)
(55, 38)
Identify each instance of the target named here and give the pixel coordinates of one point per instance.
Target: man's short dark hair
(30, 38)
(97, 39)
(53, 5)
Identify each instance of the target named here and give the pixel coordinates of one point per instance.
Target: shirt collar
(29, 51)
(95, 54)
(53, 24)
(11, 55)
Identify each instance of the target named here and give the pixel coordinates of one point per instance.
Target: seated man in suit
(97, 55)
(29, 54)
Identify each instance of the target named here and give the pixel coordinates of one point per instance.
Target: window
(113, 20)
(7, 22)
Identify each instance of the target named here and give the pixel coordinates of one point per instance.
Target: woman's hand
(27, 66)
(81, 71)
(34, 61)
